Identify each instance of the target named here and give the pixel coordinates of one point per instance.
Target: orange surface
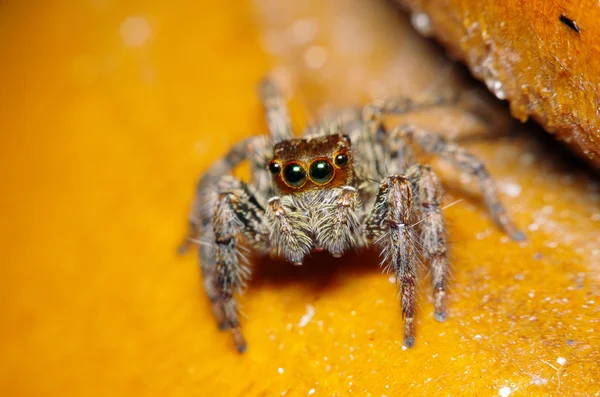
(525, 54)
(102, 142)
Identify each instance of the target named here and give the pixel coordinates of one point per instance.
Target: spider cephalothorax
(300, 165)
(346, 184)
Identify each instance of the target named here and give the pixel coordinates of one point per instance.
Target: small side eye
(321, 172)
(341, 159)
(294, 175)
(274, 168)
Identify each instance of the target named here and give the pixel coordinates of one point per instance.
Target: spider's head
(299, 165)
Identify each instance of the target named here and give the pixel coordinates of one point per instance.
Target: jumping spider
(347, 183)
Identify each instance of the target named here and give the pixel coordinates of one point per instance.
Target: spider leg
(276, 111)
(224, 200)
(237, 211)
(402, 105)
(374, 136)
(434, 143)
(337, 226)
(428, 197)
(290, 230)
(388, 225)
(206, 192)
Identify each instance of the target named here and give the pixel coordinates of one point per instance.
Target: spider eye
(294, 175)
(321, 171)
(274, 168)
(341, 159)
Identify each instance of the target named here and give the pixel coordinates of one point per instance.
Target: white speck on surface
(538, 380)
(484, 234)
(311, 391)
(511, 189)
(498, 89)
(280, 370)
(477, 337)
(505, 391)
(561, 361)
(404, 347)
(421, 23)
(551, 244)
(310, 312)
(135, 31)
(315, 57)
(392, 279)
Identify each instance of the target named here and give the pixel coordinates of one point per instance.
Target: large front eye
(294, 175)
(321, 171)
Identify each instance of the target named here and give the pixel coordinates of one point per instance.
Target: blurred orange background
(110, 110)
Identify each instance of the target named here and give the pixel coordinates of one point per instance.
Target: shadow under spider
(319, 272)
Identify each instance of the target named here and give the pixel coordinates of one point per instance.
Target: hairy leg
(337, 224)
(206, 195)
(290, 231)
(276, 111)
(209, 194)
(402, 105)
(434, 143)
(237, 212)
(428, 196)
(388, 225)
(374, 136)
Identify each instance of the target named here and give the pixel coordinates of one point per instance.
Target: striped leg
(428, 197)
(389, 224)
(434, 143)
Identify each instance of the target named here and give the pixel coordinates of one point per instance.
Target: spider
(347, 183)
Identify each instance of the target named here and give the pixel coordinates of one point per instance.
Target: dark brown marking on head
(299, 165)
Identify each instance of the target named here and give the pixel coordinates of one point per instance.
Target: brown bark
(542, 56)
